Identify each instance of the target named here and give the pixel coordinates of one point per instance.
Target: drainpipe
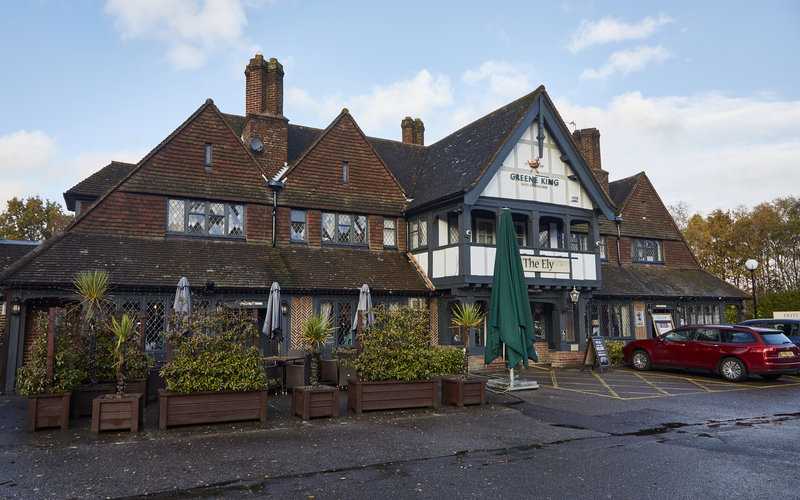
(618, 221)
(275, 186)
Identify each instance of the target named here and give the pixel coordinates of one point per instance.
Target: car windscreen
(776, 338)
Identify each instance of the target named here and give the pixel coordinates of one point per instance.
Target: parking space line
(652, 385)
(553, 378)
(606, 385)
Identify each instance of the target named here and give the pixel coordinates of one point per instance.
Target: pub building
(237, 202)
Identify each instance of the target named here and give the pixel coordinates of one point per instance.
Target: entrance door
(542, 313)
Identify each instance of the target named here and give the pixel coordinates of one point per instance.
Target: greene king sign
(544, 264)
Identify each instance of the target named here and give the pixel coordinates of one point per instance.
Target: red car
(732, 351)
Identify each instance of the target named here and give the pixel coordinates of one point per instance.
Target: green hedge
(396, 347)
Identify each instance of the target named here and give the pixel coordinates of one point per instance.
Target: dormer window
(208, 156)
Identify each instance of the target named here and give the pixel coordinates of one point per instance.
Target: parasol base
(504, 385)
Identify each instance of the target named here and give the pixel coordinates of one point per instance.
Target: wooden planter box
(84, 396)
(209, 407)
(48, 410)
(308, 402)
(464, 392)
(392, 394)
(112, 413)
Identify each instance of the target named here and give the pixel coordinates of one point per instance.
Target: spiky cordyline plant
(122, 331)
(467, 316)
(317, 331)
(92, 287)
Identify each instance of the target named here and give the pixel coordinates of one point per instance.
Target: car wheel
(732, 370)
(771, 376)
(640, 360)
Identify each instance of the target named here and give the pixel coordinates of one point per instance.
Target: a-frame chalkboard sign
(597, 355)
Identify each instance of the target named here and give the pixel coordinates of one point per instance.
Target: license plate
(786, 354)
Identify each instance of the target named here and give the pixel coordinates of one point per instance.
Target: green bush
(68, 370)
(137, 363)
(615, 351)
(216, 354)
(396, 347)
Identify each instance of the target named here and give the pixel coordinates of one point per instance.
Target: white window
(297, 227)
(389, 232)
(484, 229)
(418, 233)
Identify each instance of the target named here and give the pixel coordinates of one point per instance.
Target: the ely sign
(544, 264)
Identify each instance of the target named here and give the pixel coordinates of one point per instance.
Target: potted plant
(465, 391)
(53, 371)
(216, 375)
(120, 410)
(315, 400)
(397, 363)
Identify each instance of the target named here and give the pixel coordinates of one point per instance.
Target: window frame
(292, 221)
(189, 211)
(338, 223)
(481, 231)
(640, 247)
(392, 230)
(418, 233)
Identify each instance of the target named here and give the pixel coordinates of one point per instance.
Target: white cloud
(191, 28)
(506, 80)
(627, 61)
(31, 164)
(709, 150)
(380, 111)
(609, 29)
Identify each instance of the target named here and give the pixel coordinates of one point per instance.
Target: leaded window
(297, 231)
(452, 229)
(484, 229)
(205, 218)
(344, 229)
(647, 251)
(579, 242)
(522, 233)
(389, 232)
(612, 320)
(418, 233)
(341, 312)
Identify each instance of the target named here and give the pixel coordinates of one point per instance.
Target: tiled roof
(13, 250)
(98, 183)
(640, 280)
(160, 263)
(621, 189)
(455, 163)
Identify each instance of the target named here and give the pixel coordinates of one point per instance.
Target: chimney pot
(407, 125)
(418, 133)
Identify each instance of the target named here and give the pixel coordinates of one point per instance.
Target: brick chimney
(264, 108)
(418, 133)
(407, 125)
(413, 131)
(588, 141)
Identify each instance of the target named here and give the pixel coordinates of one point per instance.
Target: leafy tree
(32, 219)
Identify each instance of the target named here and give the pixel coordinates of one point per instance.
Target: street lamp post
(752, 265)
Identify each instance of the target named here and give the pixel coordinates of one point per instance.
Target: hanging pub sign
(544, 264)
(597, 354)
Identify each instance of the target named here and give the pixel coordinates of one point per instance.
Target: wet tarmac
(570, 438)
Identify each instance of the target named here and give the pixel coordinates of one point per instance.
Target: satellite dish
(256, 145)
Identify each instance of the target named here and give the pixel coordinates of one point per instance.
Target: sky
(702, 96)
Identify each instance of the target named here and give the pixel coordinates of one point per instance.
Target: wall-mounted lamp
(574, 295)
(16, 306)
(210, 287)
(284, 307)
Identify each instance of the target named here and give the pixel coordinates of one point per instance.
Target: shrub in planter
(396, 347)
(137, 363)
(615, 351)
(68, 369)
(216, 355)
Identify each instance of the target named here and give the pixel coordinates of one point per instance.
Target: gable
(177, 166)
(316, 180)
(554, 181)
(564, 178)
(645, 215)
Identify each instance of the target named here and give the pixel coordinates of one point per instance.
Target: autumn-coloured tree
(32, 219)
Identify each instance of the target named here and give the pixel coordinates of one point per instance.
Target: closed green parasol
(510, 320)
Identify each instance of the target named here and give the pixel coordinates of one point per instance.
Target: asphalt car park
(624, 383)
